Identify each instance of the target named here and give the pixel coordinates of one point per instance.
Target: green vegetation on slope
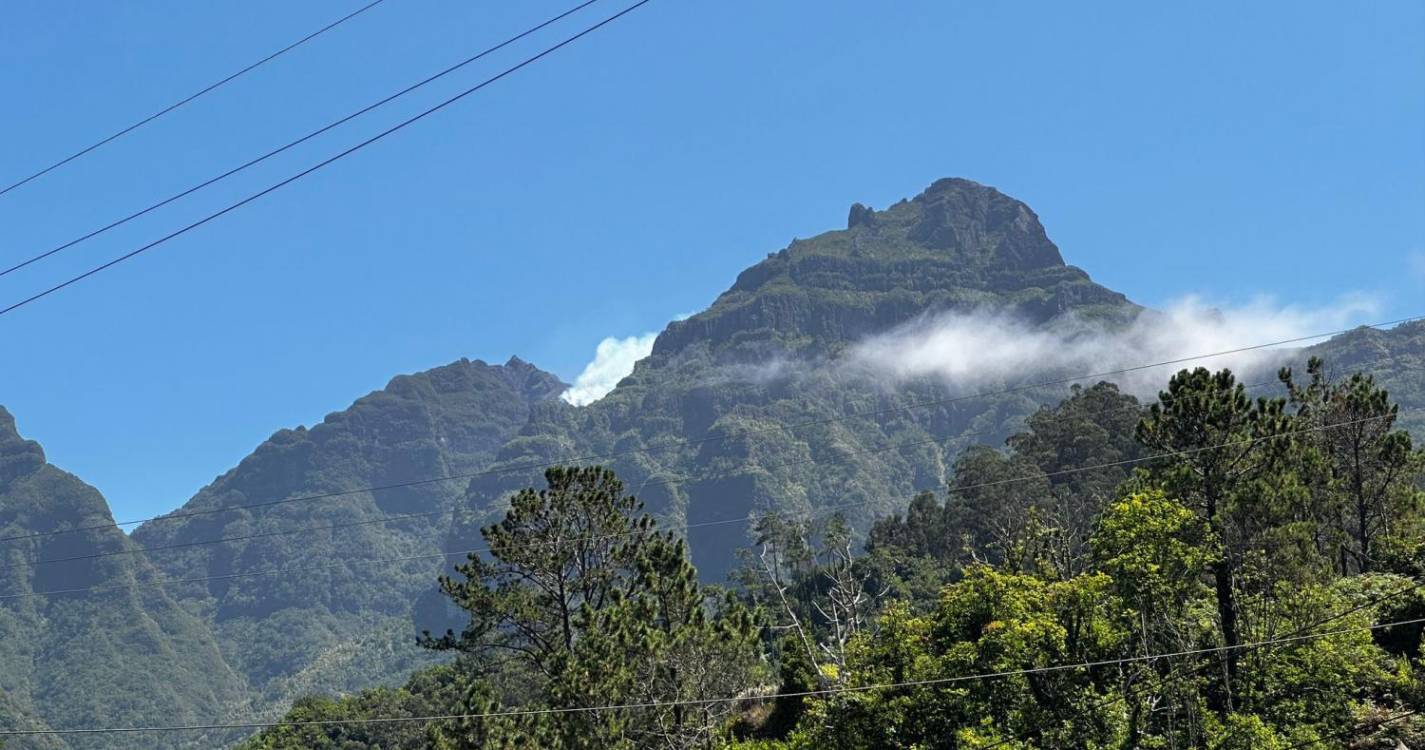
(238, 647)
(1064, 589)
(1396, 357)
(316, 629)
(129, 654)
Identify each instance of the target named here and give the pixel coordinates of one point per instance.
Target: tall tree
(1369, 462)
(812, 579)
(673, 650)
(1083, 446)
(1156, 551)
(997, 503)
(1216, 444)
(557, 550)
(604, 619)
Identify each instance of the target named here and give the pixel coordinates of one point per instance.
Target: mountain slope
(127, 653)
(299, 631)
(1396, 357)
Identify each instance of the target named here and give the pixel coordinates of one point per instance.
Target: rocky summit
(957, 245)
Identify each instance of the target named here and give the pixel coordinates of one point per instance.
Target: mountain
(760, 402)
(740, 376)
(958, 245)
(129, 653)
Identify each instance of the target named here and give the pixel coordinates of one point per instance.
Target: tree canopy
(1204, 571)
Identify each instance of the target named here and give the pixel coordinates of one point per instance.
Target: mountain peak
(956, 245)
(7, 424)
(18, 456)
(957, 185)
(964, 216)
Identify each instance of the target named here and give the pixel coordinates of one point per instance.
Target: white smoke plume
(976, 350)
(613, 361)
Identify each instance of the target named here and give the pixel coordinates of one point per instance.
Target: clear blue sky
(1230, 149)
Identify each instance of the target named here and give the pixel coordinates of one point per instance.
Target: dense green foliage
(1232, 539)
(580, 604)
(1395, 357)
(1218, 596)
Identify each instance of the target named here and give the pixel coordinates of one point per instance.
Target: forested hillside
(335, 627)
(1396, 356)
(198, 632)
(1228, 573)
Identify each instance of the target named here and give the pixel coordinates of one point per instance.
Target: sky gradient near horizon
(1224, 150)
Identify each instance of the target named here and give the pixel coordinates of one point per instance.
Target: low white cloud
(613, 361)
(979, 349)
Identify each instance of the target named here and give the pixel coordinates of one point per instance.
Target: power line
(223, 540)
(303, 139)
(1299, 631)
(325, 162)
(1249, 645)
(650, 479)
(707, 437)
(195, 95)
(684, 527)
(675, 480)
(510, 713)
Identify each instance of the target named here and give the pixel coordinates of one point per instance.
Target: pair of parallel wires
(1298, 637)
(530, 60)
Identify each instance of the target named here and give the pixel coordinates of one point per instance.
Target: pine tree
(1370, 464)
(1216, 443)
(593, 608)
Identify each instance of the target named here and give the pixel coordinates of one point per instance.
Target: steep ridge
(128, 653)
(765, 357)
(334, 621)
